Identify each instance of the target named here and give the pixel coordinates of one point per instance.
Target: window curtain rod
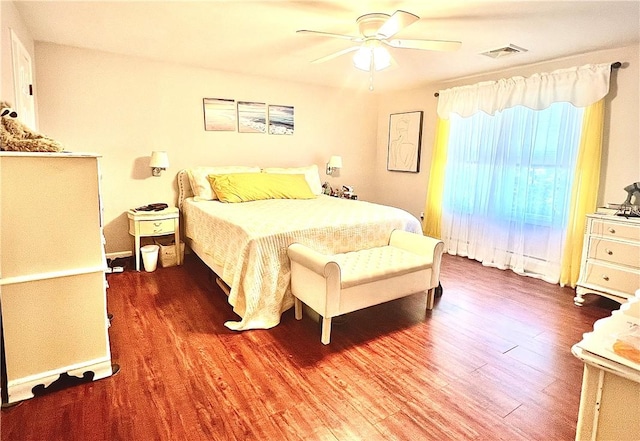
(616, 65)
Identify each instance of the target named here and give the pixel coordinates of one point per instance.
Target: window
(508, 181)
(511, 187)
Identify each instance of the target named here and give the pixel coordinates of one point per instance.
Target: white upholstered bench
(337, 284)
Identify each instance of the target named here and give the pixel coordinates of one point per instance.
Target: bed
(245, 244)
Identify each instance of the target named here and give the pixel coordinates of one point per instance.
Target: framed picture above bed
(219, 114)
(405, 139)
(281, 120)
(252, 117)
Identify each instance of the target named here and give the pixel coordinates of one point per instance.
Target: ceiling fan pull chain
(371, 70)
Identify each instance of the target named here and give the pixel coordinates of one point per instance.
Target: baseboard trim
(119, 254)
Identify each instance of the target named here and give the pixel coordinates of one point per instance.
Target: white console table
(610, 397)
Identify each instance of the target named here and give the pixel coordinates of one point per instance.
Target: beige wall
(621, 147)
(123, 108)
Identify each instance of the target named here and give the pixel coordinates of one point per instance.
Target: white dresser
(610, 258)
(610, 395)
(52, 273)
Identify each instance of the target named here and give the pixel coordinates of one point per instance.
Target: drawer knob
(605, 277)
(608, 251)
(157, 224)
(612, 230)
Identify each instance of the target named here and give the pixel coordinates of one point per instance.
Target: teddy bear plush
(17, 137)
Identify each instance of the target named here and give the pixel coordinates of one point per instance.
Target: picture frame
(219, 114)
(252, 117)
(405, 139)
(281, 120)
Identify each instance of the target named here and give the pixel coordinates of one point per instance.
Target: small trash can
(150, 257)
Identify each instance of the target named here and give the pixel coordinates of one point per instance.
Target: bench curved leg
(431, 295)
(326, 330)
(297, 305)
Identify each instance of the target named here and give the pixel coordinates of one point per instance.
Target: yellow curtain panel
(433, 208)
(584, 192)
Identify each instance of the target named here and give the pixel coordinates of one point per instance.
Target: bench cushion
(365, 266)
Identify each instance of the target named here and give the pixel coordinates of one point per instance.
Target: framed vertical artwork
(281, 120)
(219, 114)
(252, 117)
(405, 139)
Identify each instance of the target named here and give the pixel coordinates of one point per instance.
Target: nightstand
(154, 223)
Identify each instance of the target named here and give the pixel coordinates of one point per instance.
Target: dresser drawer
(624, 253)
(615, 230)
(612, 278)
(153, 227)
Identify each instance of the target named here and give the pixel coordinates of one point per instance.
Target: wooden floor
(492, 361)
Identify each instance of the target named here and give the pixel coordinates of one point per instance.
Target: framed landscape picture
(405, 137)
(219, 114)
(281, 120)
(252, 117)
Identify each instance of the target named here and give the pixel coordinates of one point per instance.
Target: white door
(22, 82)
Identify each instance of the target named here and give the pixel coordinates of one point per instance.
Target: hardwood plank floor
(492, 361)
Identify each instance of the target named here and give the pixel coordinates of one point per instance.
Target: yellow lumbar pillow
(244, 187)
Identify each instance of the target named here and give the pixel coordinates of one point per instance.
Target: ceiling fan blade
(427, 45)
(336, 54)
(394, 24)
(329, 34)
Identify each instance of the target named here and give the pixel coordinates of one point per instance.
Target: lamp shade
(335, 162)
(159, 160)
(380, 56)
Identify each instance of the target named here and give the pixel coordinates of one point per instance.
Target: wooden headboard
(184, 187)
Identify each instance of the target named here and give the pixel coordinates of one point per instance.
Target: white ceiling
(259, 37)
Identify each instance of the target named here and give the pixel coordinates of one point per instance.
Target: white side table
(154, 223)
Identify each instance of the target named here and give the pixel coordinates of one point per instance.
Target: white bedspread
(249, 242)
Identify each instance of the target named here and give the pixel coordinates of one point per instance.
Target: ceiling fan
(376, 32)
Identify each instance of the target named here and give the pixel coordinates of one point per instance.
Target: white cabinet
(610, 258)
(610, 396)
(52, 272)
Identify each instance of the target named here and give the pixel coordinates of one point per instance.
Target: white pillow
(202, 187)
(310, 173)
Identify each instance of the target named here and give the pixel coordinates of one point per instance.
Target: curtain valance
(580, 86)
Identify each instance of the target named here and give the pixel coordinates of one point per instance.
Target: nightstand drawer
(153, 227)
(611, 278)
(615, 230)
(623, 253)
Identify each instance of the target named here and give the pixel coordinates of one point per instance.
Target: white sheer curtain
(511, 157)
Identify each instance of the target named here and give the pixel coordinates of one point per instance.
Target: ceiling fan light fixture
(364, 56)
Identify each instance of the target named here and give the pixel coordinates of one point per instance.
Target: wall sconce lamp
(159, 161)
(334, 164)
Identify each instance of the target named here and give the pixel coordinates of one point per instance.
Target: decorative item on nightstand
(348, 193)
(159, 161)
(345, 192)
(334, 165)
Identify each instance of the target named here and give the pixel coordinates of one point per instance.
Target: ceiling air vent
(504, 51)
